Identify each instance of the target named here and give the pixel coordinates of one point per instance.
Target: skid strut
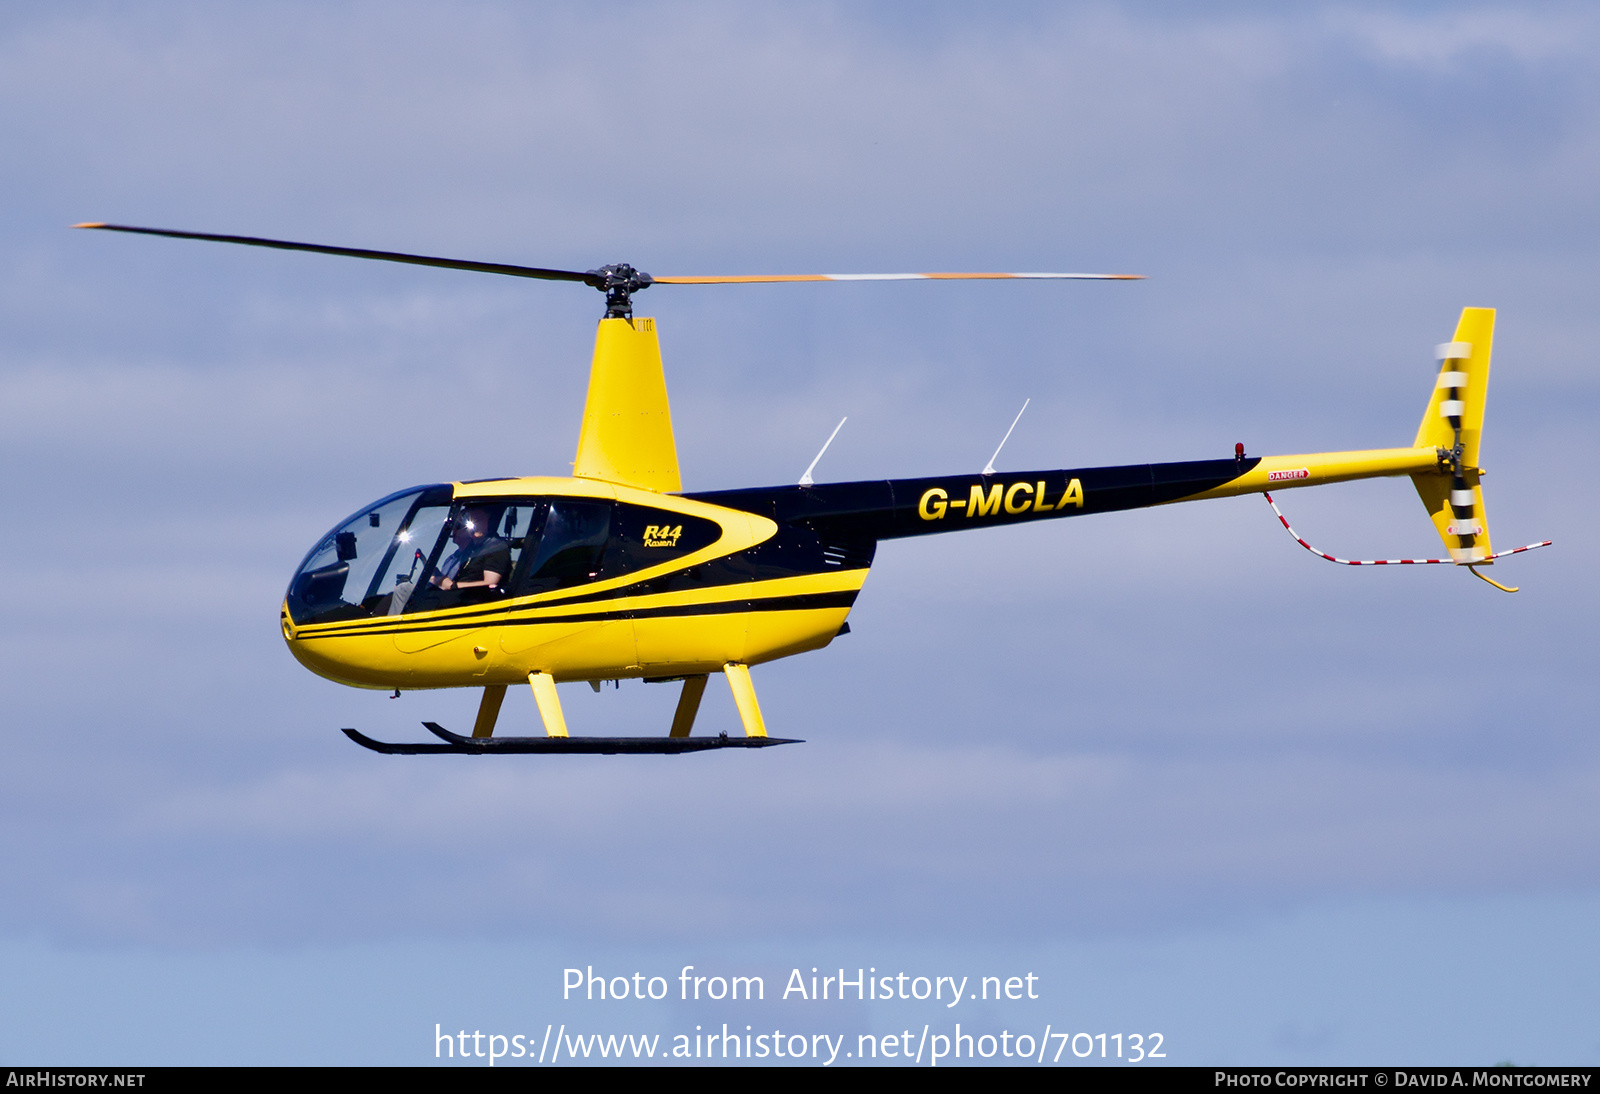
(556, 739)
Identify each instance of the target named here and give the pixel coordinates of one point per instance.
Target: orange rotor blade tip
(91, 224)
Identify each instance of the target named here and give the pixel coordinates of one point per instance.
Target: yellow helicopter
(616, 573)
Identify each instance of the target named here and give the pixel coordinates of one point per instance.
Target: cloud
(839, 838)
(1449, 38)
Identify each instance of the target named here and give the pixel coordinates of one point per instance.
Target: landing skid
(606, 746)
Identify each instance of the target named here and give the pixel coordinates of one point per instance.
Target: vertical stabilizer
(1466, 356)
(1455, 418)
(627, 424)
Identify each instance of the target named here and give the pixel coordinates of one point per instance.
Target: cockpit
(421, 550)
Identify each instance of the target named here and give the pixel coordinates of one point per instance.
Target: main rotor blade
(604, 278)
(743, 279)
(358, 252)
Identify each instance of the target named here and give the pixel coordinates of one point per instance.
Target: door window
(569, 548)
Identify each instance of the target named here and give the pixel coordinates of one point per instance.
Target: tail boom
(1320, 468)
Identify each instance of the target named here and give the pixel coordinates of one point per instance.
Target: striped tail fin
(1453, 425)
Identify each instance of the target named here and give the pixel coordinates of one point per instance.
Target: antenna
(805, 480)
(988, 468)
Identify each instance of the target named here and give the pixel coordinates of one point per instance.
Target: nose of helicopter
(353, 659)
(362, 571)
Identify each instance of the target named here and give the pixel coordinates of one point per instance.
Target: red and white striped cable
(1390, 561)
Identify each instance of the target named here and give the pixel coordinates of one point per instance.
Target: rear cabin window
(568, 548)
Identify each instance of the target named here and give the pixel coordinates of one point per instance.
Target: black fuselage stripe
(798, 603)
(877, 510)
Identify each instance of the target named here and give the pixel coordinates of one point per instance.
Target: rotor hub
(619, 281)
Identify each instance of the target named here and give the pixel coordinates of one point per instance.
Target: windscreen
(353, 571)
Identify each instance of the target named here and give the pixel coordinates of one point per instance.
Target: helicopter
(616, 572)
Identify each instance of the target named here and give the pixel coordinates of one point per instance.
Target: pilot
(480, 561)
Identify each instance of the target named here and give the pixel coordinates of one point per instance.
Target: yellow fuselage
(593, 631)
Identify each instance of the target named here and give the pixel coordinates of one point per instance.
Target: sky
(1196, 781)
